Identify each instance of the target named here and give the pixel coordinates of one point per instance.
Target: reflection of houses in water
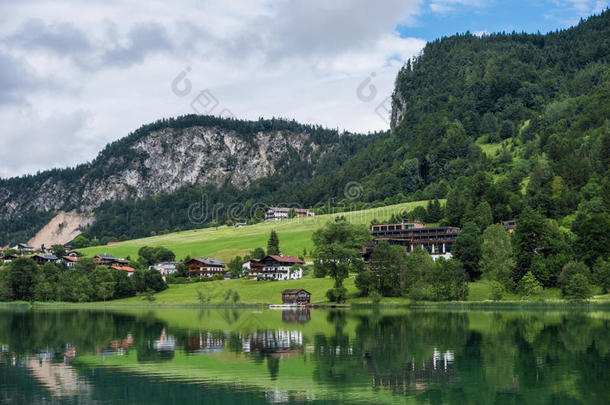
(276, 344)
(59, 378)
(417, 376)
(277, 396)
(117, 347)
(165, 343)
(273, 340)
(205, 342)
(296, 315)
(273, 343)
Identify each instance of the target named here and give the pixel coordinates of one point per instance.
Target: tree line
(24, 280)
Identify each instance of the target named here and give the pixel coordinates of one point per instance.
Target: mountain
(493, 123)
(173, 156)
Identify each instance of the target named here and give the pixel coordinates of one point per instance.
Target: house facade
(438, 241)
(48, 258)
(205, 267)
(253, 268)
(296, 297)
(70, 261)
(165, 268)
(510, 225)
(279, 213)
(23, 247)
(281, 268)
(109, 260)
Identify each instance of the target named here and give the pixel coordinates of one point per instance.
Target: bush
(375, 297)
(148, 295)
(337, 295)
(497, 291)
(448, 281)
(529, 286)
(577, 288)
(174, 279)
(418, 291)
(366, 282)
(602, 275)
(569, 271)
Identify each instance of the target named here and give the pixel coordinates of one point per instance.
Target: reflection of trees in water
(505, 356)
(27, 332)
(389, 350)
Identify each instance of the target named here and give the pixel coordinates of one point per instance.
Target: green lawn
(270, 292)
(224, 243)
(250, 291)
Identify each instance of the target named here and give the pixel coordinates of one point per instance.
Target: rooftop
(286, 259)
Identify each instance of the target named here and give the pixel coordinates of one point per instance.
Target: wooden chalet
(48, 258)
(254, 267)
(280, 267)
(296, 297)
(109, 260)
(205, 267)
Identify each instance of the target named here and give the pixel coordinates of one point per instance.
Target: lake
(184, 356)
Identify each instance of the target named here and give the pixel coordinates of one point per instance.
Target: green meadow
(225, 242)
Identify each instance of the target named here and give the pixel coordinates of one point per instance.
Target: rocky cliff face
(161, 162)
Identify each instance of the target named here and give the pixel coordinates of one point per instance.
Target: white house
(279, 213)
(165, 268)
(281, 268)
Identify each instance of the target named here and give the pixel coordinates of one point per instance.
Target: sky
(76, 75)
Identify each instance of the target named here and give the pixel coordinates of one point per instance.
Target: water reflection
(302, 356)
(296, 315)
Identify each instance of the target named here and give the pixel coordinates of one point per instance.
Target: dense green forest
(504, 126)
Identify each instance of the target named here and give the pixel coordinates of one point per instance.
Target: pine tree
(273, 245)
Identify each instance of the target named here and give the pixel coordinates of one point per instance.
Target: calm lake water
(320, 356)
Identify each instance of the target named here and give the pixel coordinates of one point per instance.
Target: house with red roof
(281, 267)
(70, 260)
(129, 270)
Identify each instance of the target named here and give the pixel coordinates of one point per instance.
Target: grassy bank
(257, 293)
(224, 242)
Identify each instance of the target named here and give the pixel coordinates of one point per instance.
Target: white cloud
(585, 7)
(78, 75)
(447, 6)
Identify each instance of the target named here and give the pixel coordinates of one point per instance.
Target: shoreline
(458, 305)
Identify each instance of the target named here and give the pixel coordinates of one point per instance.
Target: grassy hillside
(225, 242)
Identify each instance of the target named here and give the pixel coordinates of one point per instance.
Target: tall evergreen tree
(467, 249)
(273, 244)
